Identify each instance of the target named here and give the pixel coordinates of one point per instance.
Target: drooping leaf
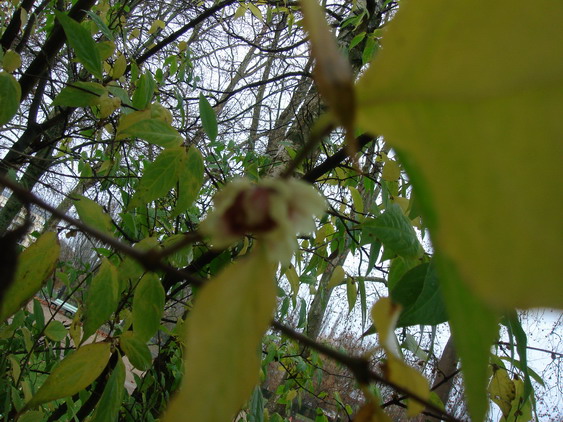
(395, 231)
(502, 390)
(159, 176)
(75, 372)
(136, 350)
(351, 294)
(102, 298)
(190, 180)
(101, 25)
(92, 213)
(56, 331)
(440, 89)
(208, 118)
(419, 295)
(154, 131)
(515, 328)
(256, 406)
(148, 306)
(337, 277)
(34, 265)
(229, 318)
(107, 409)
(80, 94)
(293, 279)
(10, 95)
(82, 43)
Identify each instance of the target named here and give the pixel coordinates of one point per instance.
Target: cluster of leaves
(160, 299)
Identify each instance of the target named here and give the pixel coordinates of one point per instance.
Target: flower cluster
(272, 210)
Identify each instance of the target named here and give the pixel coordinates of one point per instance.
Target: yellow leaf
(156, 25)
(332, 73)
(391, 171)
(119, 67)
(224, 331)
(442, 94)
(371, 412)
(384, 315)
(182, 45)
(357, 200)
(134, 33)
(35, 264)
(293, 279)
(502, 390)
(11, 61)
(74, 373)
(399, 373)
(337, 277)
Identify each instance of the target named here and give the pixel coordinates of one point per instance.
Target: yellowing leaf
(337, 277)
(75, 372)
(11, 61)
(34, 265)
(293, 279)
(156, 25)
(385, 315)
(182, 46)
(438, 90)
(91, 213)
(333, 74)
(399, 373)
(224, 331)
(356, 199)
(371, 412)
(391, 171)
(502, 390)
(351, 294)
(119, 67)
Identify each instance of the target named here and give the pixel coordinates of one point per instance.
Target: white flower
(272, 210)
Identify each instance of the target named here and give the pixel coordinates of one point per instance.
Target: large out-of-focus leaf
(395, 231)
(148, 306)
(10, 94)
(159, 176)
(34, 265)
(82, 43)
(190, 180)
(110, 402)
(224, 331)
(102, 298)
(75, 372)
(418, 292)
(475, 115)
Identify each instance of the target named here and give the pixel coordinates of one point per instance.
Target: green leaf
(514, 326)
(75, 372)
(154, 131)
(208, 118)
(56, 331)
(230, 316)
(190, 180)
(35, 264)
(101, 25)
(418, 292)
(159, 176)
(148, 306)
(351, 294)
(256, 406)
(80, 94)
(302, 313)
(395, 231)
(144, 92)
(38, 315)
(32, 416)
(474, 327)
(82, 43)
(92, 213)
(439, 91)
(111, 400)
(10, 96)
(102, 298)
(136, 350)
